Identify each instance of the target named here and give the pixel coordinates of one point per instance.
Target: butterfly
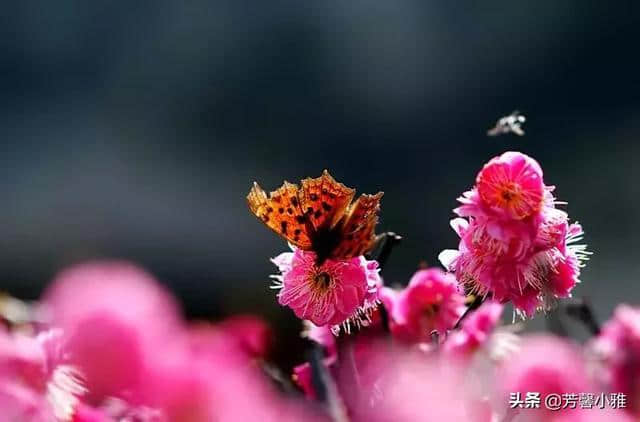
(509, 124)
(319, 216)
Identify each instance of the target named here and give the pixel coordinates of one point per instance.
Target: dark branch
(475, 304)
(325, 387)
(385, 246)
(581, 310)
(316, 356)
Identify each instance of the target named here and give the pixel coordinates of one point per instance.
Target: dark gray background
(135, 130)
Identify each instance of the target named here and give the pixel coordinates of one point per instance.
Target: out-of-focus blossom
(141, 362)
(431, 302)
(514, 244)
(617, 350)
(252, 334)
(333, 294)
(475, 330)
(302, 376)
(23, 377)
(85, 413)
(545, 365)
(35, 382)
(114, 317)
(415, 387)
(359, 354)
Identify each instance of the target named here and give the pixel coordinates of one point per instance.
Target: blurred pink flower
(114, 316)
(431, 301)
(303, 379)
(18, 403)
(252, 334)
(35, 383)
(414, 387)
(140, 360)
(475, 329)
(84, 413)
(334, 293)
(23, 377)
(360, 353)
(545, 365)
(514, 244)
(617, 349)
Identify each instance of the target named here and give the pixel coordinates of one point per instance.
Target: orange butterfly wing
(282, 213)
(357, 232)
(324, 200)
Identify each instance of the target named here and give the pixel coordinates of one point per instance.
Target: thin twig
(555, 325)
(325, 387)
(435, 339)
(274, 373)
(316, 356)
(384, 318)
(475, 304)
(386, 242)
(581, 310)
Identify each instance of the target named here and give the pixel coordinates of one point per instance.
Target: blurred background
(135, 130)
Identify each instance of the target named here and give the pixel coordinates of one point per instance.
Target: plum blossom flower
(617, 350)
(431, 302)
(35, 382)
(139, 361)
(362, 351)
(414, 387)
(252, 334)
(114, 317)
(302, 376)
(335, 293)
(475, 330)
(545, 365)
(515, 245)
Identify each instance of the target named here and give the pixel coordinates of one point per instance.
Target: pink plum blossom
(252, 334)
(545, 365)
(412, 386)
(360, 353)
(140, 361)
(515, 245)
(302, 376)
(85, 413)
(431, 301)
(475, 330)
(334, 293)
(510, 186)
(114, 316)
(35, 383)
(617, 349)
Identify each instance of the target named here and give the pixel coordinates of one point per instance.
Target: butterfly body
(319, 216)
(323, 242)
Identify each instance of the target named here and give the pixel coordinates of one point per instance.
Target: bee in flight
(508, 124)
(319, 216)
